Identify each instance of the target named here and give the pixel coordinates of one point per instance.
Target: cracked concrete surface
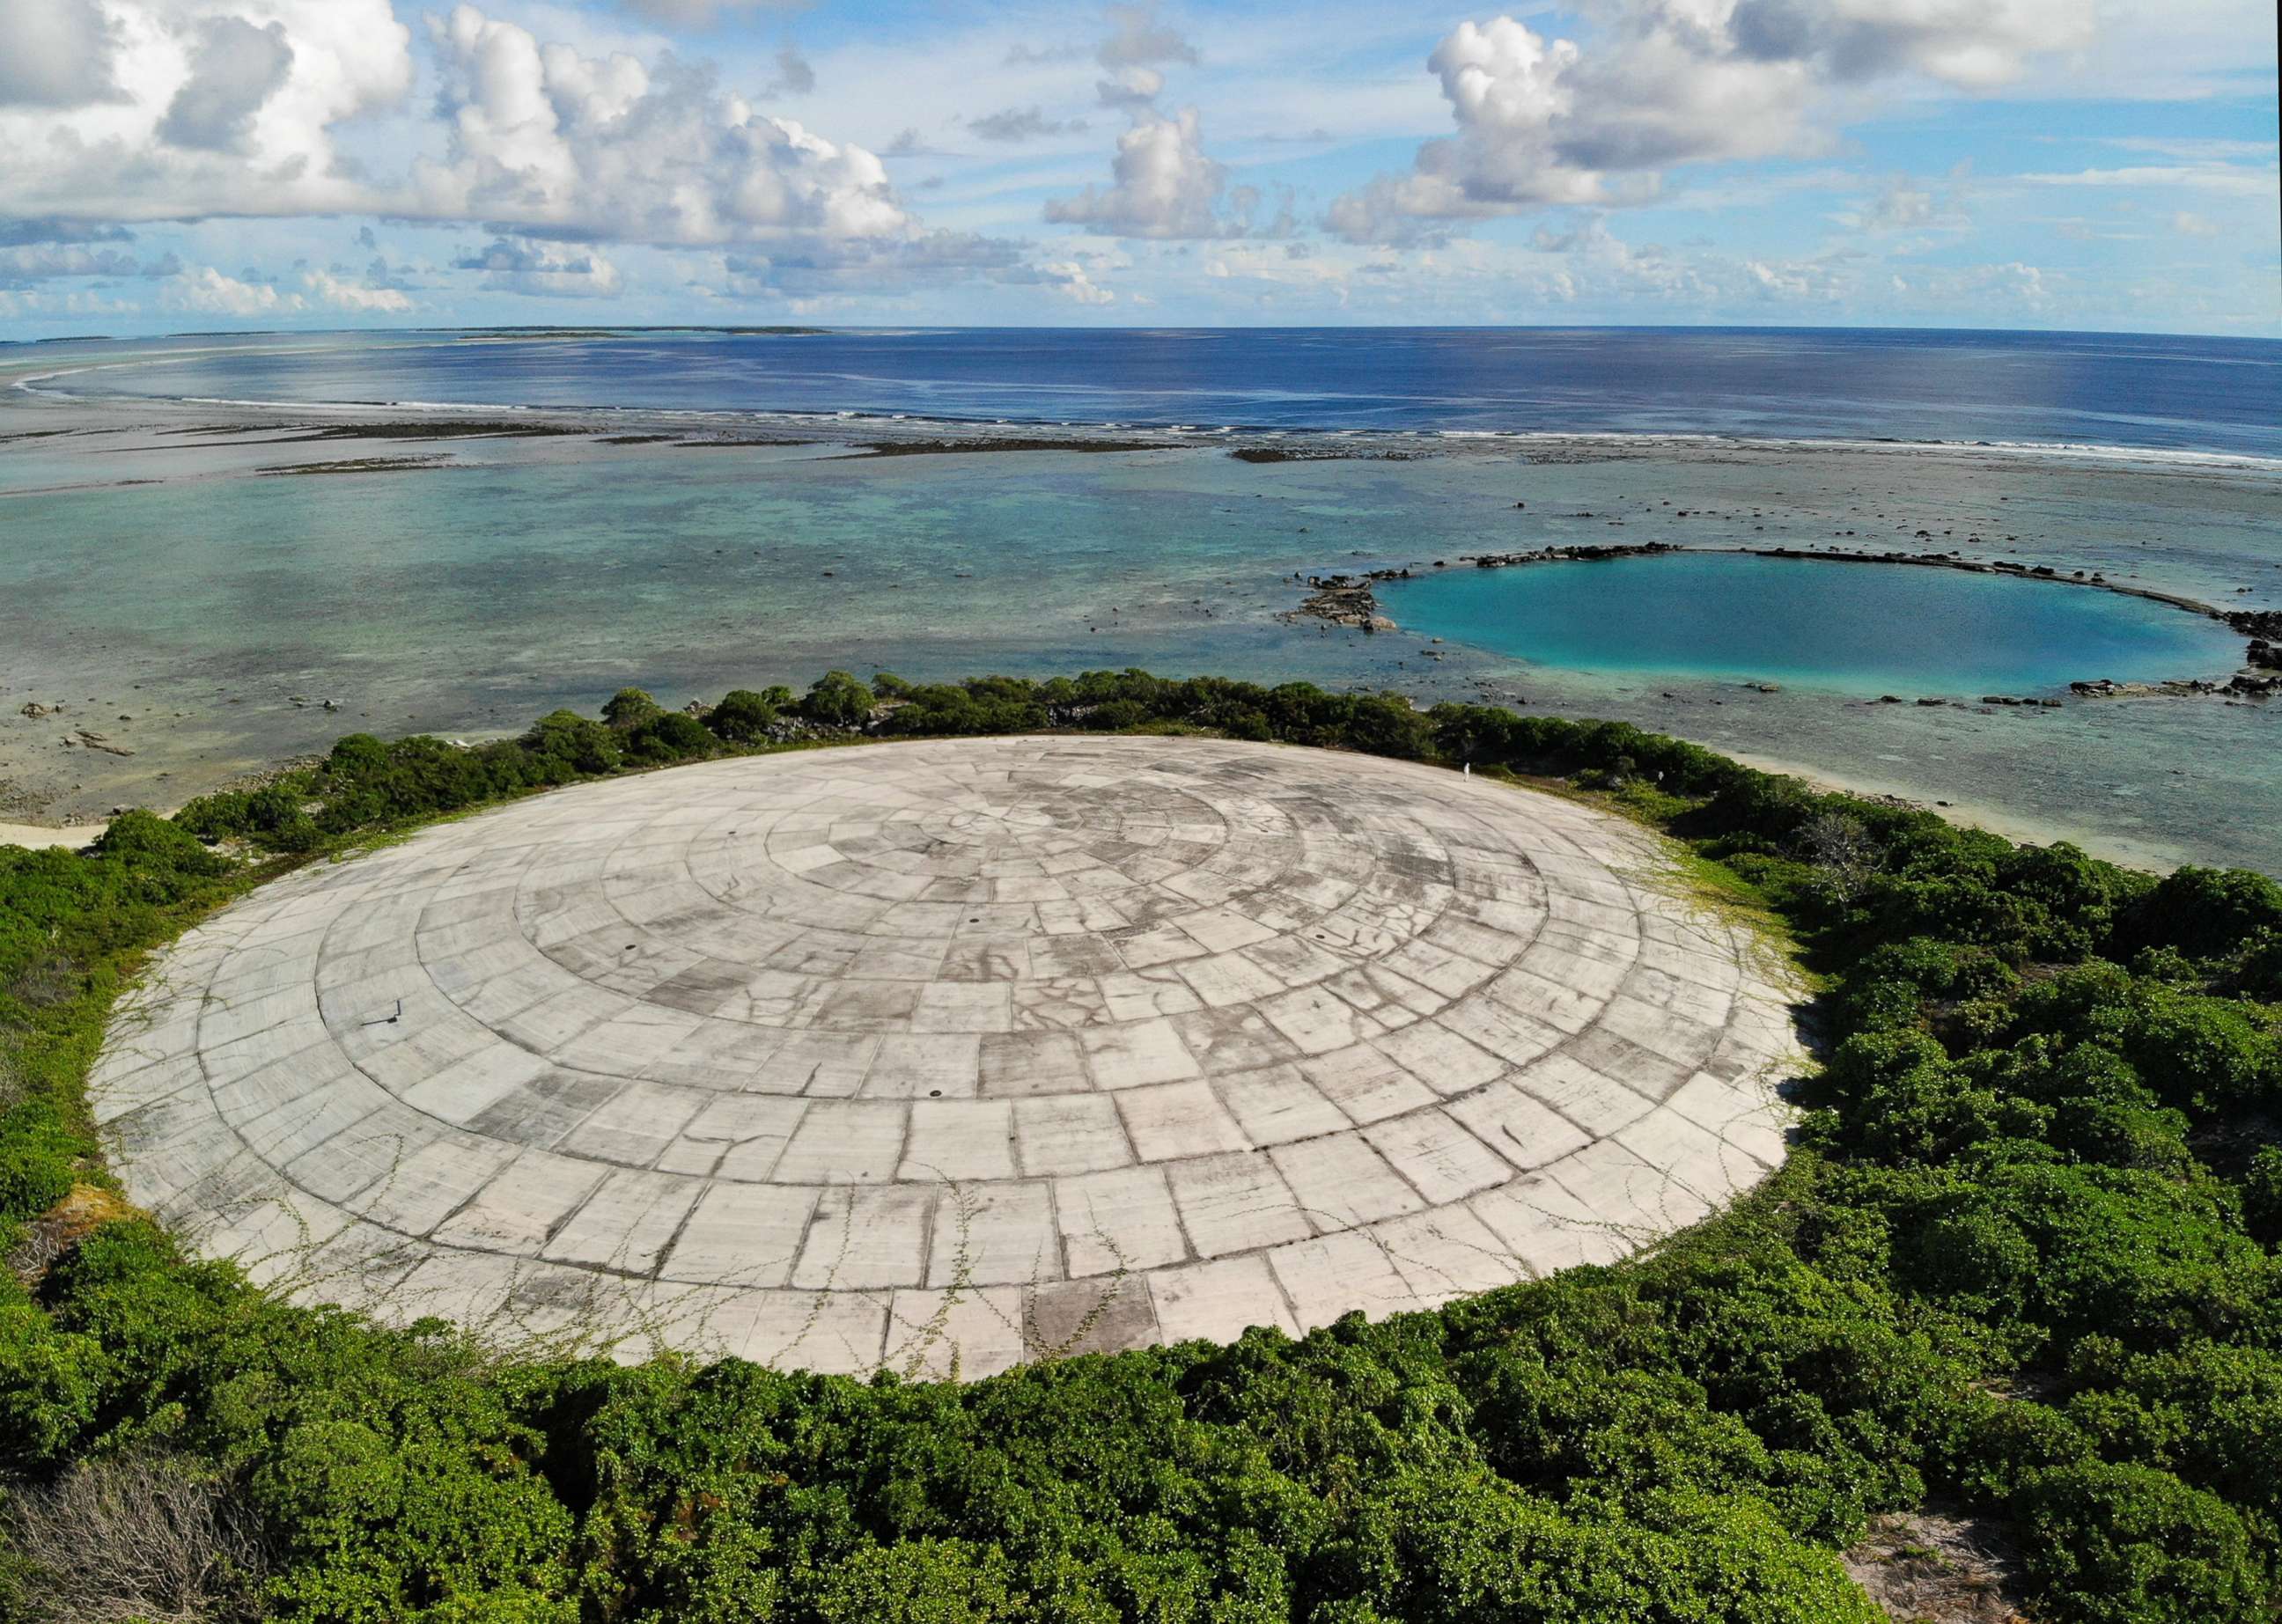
(946, 1056)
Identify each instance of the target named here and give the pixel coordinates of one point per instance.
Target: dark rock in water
(1889, 699)
(1933, 701)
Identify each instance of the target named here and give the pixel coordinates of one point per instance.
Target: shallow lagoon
(1857, 629)
(148, 570)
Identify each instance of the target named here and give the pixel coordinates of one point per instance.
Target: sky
(200, 165)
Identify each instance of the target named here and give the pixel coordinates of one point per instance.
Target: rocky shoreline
(1347, 599)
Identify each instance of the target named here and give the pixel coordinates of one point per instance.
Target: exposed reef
(359, 465)
(1325, 453)
(928, 448)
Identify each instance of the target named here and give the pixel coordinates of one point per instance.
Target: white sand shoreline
(39, 835)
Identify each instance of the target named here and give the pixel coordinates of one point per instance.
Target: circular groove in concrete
(954, 1054)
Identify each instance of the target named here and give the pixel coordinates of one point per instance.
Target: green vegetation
(2020, 1263)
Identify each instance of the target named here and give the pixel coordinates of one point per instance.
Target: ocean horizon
(2066, 390)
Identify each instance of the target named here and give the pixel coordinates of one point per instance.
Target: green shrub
(2205, 913)
(742, 718)
(670, 736)
(2130, 1544)
(629, 708)
(2020, 1259)
(38, 1157)
(51, 1382)
(580, 746)
(2262, 1195)
(838, 699)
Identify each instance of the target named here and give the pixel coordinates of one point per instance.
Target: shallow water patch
(1847, 627)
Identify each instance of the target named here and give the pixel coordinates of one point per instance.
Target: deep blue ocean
(2211, 395)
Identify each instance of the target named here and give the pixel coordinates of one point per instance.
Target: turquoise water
(197, 613)
(1842, 627)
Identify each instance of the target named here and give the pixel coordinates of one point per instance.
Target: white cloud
(54, 53)
(1906, 203)
(331, 290)
(546, 269)
(2195, 149)
(235, 68)
(1138, 35)
(77, 305)
(795, 76)
(1070, 278)
(869, 265)
(1138, 43)
(207, 291)
(229, 107)
(2187, 223)
(545, 141)
(1129, 88)
(1164, 186)
(1020, 124)
(217, 107)
(23, 263)
(2232, 179)
(702, 13)
(1667, 82)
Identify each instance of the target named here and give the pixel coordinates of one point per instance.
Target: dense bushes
(2020, 1260)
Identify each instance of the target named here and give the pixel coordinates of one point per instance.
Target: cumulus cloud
(213, 107)
(546, 142)
(15, 232)
(795, 74)
(546, 269)
(235, 68)
(816, 270)
(55, 53)
(1021, 124)
(1906, 202)
(1666, 83)
(232, 105)
(205, 290)
(19, 266)
(1137, 37)
(1163, 185)
(1069, 278)
(342, 294)
(1137, 44)
(1130, 88)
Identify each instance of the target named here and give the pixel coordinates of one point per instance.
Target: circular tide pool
(1848, 628)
